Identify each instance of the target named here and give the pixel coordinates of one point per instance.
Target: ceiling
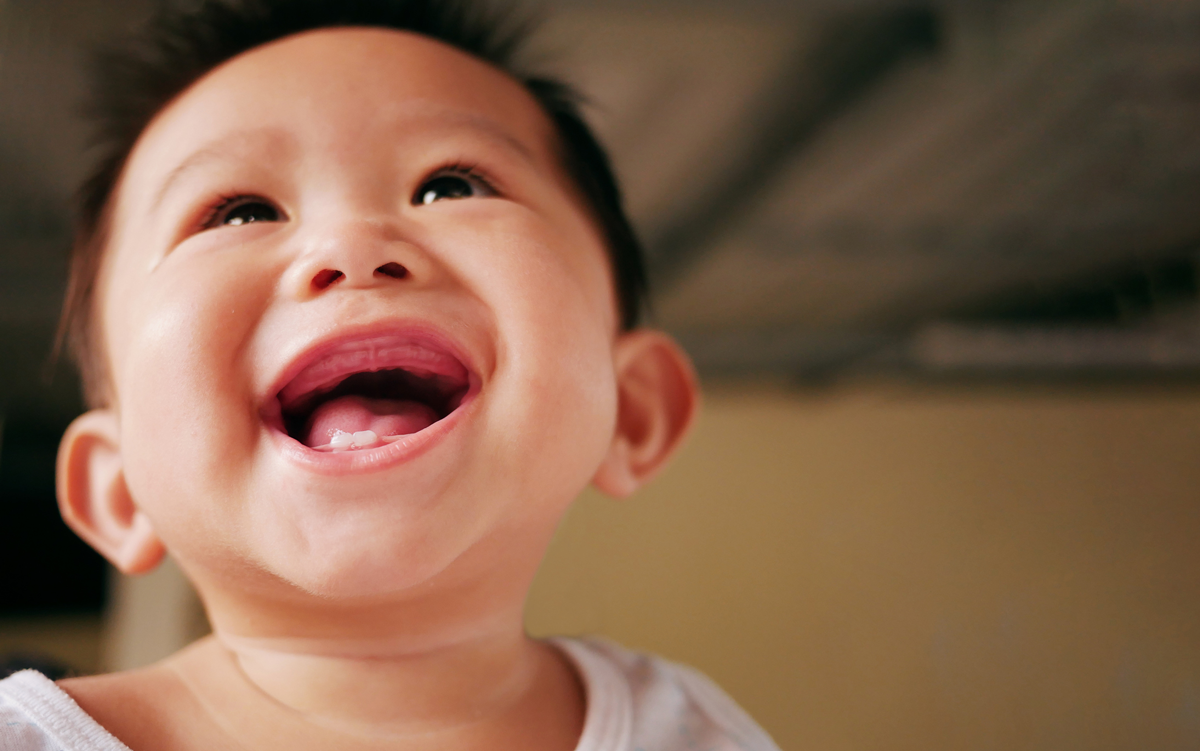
(1000, 189)
(997, 188)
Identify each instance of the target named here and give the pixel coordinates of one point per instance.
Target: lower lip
(365, 461)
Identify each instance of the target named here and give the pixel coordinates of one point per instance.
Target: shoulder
(641, 701)
(37, 715)
(147, 708)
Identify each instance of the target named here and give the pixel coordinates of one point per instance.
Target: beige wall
(75, 641)
(908, 570)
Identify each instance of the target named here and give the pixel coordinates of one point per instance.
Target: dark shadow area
(48, 570)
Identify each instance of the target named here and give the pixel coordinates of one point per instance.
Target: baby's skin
(370, 205)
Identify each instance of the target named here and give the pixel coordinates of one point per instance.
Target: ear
(657, 400)
(94, 499)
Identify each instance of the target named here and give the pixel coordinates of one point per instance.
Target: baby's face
(348, 231)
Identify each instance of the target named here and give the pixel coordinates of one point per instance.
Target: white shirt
(635, 702)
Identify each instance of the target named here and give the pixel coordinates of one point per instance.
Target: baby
(356, 307)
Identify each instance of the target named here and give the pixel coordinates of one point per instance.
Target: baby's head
(356, 307)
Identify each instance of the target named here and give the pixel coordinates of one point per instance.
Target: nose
(329, 277)
(358, 254)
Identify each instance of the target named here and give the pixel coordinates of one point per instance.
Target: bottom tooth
(340, 440)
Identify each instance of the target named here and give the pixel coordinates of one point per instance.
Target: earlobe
(95, 501)
(657, 401)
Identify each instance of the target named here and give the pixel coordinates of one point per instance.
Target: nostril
(326, 277)
(392, 269)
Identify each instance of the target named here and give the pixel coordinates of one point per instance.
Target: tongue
(351, 414)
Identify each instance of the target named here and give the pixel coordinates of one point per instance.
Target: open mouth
(370, 392)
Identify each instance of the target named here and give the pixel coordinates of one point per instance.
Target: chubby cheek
(187, 413)
(558, 386)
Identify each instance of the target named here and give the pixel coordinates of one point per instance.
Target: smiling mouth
(361, 394)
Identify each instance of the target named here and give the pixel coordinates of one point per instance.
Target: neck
(393, 685)
(448, 659)
(483, 689)
(493, 692)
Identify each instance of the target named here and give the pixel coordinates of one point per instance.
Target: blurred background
(937, 264)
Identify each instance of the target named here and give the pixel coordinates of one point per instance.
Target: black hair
(183, 42)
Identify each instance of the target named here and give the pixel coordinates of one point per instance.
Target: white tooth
(364, 438)
(341, 439)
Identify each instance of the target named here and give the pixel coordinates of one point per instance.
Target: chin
(370, 562)
(361, 583)
(362, 577)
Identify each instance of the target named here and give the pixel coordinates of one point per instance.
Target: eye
(454, 182)
(239, 210)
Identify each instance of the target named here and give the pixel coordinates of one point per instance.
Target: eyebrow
(228, 147)
(233, 145)
(484, 124)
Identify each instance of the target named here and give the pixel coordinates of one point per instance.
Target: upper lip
(415, 347)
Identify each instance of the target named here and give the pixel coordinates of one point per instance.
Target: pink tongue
(351, 414)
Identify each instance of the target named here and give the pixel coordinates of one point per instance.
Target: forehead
(330, 88)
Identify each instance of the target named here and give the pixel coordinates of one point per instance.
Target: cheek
(180, 382)
(553, 303)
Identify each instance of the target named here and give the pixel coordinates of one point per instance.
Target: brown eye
(450, 186)
(239, 211)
